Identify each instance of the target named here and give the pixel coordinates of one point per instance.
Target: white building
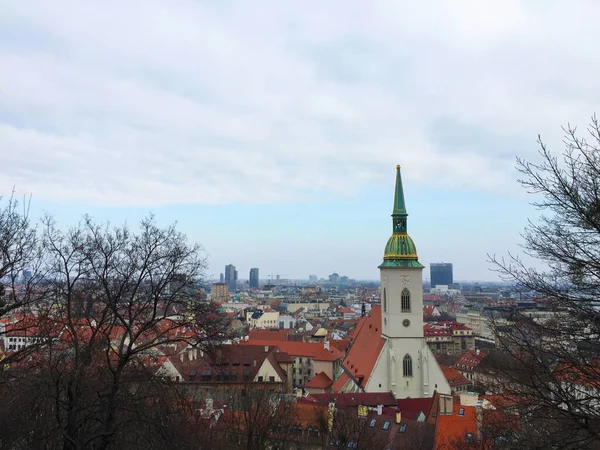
(389, 352)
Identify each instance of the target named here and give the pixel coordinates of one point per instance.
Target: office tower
(26, 276)
(254, 278)
(231, 277)
(441, 274)
(221, 278)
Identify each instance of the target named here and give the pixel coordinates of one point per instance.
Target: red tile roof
(364, 350)
(428, 310)
(454, 377)
(268, 335)
(340, 382)
(235, 361)
(319, 381)
(470, 359)
(352, 399)
(411, 408)
(309, 415)
(314, 350)
(452, 429)
(443, 328)
(583, 375)
(341, 344)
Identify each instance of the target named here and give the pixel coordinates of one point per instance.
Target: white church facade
(388, 351)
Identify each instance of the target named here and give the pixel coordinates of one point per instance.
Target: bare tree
(350, 431)
(22, 276)
(258, 417)
(554, 369)
(118, 299)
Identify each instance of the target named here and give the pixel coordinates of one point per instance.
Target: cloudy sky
(270, 130)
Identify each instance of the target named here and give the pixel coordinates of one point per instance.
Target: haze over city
(271, 133)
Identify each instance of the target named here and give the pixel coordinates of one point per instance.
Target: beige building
(308, 359)
(448, 338)
(219, 293)
(262, 319)
(308, 306)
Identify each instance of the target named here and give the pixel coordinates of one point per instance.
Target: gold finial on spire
(398, 166)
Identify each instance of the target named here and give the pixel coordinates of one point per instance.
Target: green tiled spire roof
(400, 250)
(399, 206)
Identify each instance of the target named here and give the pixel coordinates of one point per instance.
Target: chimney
(477, 352)
(398, 416)
(326, 345)
(266, 349)
(181, 357)
(254, 363)
(379, 410)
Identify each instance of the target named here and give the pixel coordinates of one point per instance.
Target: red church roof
(364, 350)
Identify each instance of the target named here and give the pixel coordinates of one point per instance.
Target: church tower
(389, 352)
(412, 371)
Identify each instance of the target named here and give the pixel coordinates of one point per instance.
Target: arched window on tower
(407, 366)
(384, 301)
(405, 300)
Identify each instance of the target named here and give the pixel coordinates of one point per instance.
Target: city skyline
(270, 133)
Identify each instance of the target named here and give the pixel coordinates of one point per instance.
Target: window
(386, 426)
(271, 379)
(461, 412)
(407, 366)
(403, 428)
(372, 423)
(405, 300)
(469, 438)
(260, 379)
(384, 301)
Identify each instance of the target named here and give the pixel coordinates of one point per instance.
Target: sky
(270, 131)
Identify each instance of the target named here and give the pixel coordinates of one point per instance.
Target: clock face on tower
(405, 280)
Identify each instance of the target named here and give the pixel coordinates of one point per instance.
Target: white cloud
(215, 102)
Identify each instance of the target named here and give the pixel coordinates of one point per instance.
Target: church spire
(400, 250)
(399, 214)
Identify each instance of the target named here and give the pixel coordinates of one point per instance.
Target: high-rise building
(231, 277)
(254, 278)
(221, 278)
(441, 274)
(312, 278)
(26, 276)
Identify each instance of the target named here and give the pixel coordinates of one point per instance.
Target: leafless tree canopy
(551, 366)
(113, 299)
